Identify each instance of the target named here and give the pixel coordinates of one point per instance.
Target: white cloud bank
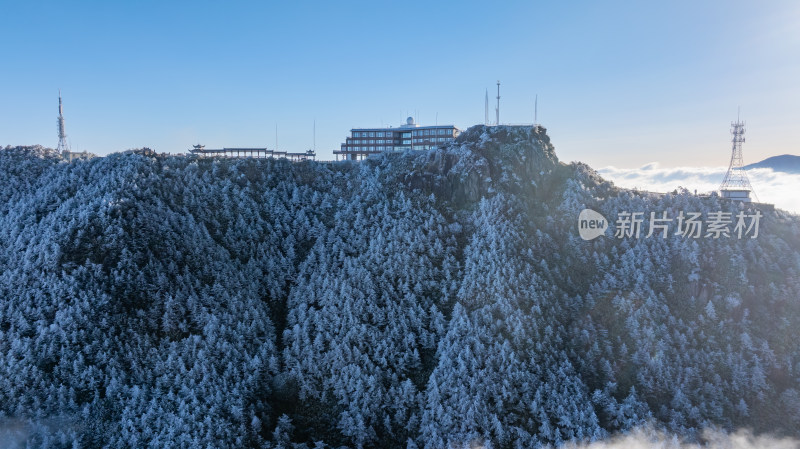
(778, 188)
(646, 438)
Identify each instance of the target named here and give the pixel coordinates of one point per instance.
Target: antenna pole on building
(486, 106)
(536, 110)
(62, 132)
(497, 111)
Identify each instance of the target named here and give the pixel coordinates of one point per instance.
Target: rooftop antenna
(315, 135)
(736, 185)
(437, 119)
(62, 132)
(276, 137)
(497, 111)
(536, 110)
(486, 107)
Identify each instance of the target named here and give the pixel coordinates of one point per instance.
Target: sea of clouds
(778, 188)
(648, 438)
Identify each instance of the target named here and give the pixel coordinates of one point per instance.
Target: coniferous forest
(439, 299)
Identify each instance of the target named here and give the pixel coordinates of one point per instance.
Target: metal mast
(486, 106)
(736, 185)
(497, 111)
(62, 133)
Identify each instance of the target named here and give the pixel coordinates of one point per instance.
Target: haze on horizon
(619, 84)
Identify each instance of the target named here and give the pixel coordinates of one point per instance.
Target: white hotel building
(365, 141)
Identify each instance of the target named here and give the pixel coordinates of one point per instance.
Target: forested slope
(429, 300)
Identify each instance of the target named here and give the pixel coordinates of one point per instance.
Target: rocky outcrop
(485, 160)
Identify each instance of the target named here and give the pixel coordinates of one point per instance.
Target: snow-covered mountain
(435, 299)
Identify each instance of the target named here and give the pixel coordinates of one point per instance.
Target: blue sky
(620, 83)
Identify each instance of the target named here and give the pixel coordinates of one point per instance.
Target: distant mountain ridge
(787, 163)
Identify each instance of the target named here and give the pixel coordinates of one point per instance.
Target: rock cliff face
(484, 158)
(424, 299)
